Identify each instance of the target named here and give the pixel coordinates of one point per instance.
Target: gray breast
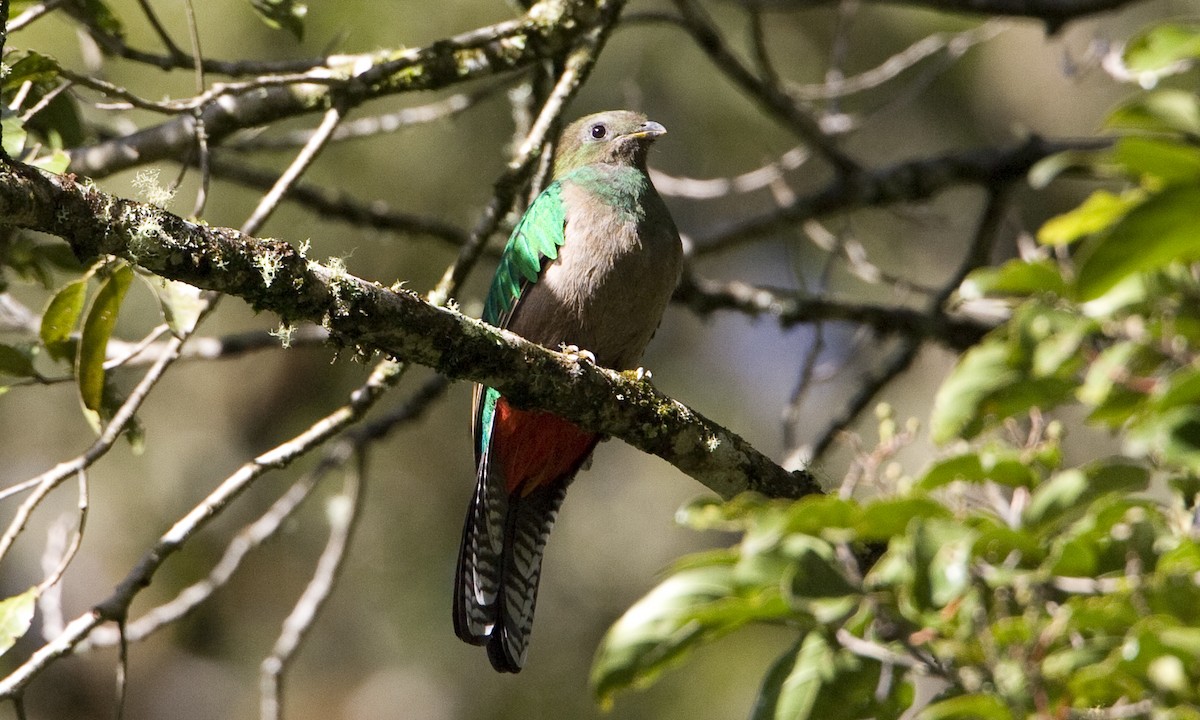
(607, 289)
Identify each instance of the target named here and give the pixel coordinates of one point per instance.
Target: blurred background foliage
(384, 646)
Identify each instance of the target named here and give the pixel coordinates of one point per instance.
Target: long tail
(499, 565)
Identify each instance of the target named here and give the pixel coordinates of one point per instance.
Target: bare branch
(343, 512)
(500, 48)
(306, 156)
(768, 95)
(706, 296)
(333, 204)
(911, 181)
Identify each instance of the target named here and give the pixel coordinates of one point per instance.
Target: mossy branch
(272, 275)
(548, 30)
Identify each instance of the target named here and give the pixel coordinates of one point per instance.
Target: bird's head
(616, 137)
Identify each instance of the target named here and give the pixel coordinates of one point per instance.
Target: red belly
(535, 447)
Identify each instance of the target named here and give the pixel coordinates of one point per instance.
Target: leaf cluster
(1017, 583)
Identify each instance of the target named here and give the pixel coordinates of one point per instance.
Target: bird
(589, 269)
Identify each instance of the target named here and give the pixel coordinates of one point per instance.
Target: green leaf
(286, 14)
(60, 318)
(1180, 388)
(15, 362)
(1099, 212)
(1093, 163)
(820, 680)
(791, 687)
(1070, 493)
(93, 342)
(30, 67)
(967, 707)
(1162, 111)
(1164, 161)
(814, 571)
(822, 514)
(1161, 230)
(958, 406)
(14, 136)
(658, 631)
(1016, 278)
(1162, 46)
(16, 615)
(941, 557)
(55, 162)
(182, 305)
(1176, 432)
(888, 517)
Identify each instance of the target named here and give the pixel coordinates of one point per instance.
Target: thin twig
(696, 21)
(51, 479)
(68, 554)
(343, 512)
(331, 204)
(368, 126)
(33, 13)
(299, 165)
(576, 68)
(161, 31)
(269, 523)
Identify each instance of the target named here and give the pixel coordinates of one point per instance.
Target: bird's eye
(599, 131)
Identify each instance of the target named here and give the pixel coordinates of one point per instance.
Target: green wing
(536, 238)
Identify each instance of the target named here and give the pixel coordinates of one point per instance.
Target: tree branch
(272, 275)
(910, 181)
(549, 28)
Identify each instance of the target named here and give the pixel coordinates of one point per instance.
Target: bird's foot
(576, 354)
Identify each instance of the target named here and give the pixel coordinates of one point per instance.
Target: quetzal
(591, 264)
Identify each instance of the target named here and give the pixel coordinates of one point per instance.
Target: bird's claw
(576, 354)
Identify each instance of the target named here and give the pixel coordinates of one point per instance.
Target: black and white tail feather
(500, 563)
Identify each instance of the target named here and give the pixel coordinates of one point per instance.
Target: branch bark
(272, 275)
(547, 30)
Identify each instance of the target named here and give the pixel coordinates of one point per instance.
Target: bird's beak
(649, 129)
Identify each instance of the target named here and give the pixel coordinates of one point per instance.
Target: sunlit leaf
(29, 66)
(56, 161)
(941, 557)
(1070, 492)
(791, 688)
(658, 631)
(16, 615)
(1162, 46)
(93, 342)
(958, 406)
(1163, 111)
(1016, 278)
(1163, 161)
(1161, 230)
(182, 305)
(886, 518)
(1092, 162)
(817, 679)
(14, 136)
(1098, 212)
(818, 514)
(60, 318)
(967, 707)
